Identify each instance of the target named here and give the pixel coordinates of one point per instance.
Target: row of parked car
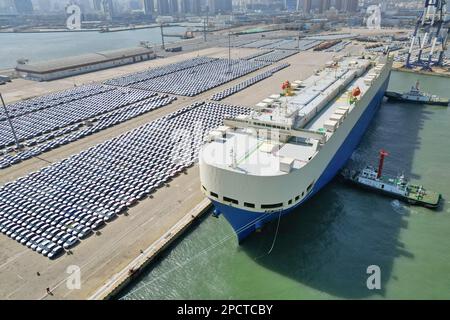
(152, 73)
(256, 54)
(40, 229)
(261, 43)
(195, 80)
(294, 44)
(56, 207)
(52, 99)
(247, 83)
(276, 55)
(54, 140)
(39, 122)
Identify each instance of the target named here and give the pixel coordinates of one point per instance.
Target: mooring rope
(274, 238)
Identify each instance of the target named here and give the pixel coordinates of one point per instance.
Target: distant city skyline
(174, 7)
(151, 7)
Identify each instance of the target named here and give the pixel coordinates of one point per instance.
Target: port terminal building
(71, 66)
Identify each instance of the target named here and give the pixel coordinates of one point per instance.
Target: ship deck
(340, 101)
(255, 156)
(431, 198)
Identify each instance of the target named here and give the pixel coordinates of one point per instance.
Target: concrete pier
(132, 241)
(135, 268)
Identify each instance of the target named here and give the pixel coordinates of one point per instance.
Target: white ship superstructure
(414, 95)
(257, 167)
(370, 178)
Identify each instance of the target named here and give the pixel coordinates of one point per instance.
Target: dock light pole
(205, 23)
(204, 29)
(162, 36)
(229, 51)
(10, 122)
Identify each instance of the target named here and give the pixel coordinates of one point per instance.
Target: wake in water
(358, 157)
(399, 207)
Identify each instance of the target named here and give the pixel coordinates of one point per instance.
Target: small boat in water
(416, 96)
(397, 187)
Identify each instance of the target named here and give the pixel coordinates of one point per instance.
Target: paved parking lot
(20, 89)
(100, 256)
(124, 238)
(52, 209)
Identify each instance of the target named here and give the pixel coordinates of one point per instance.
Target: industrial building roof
(82, 60)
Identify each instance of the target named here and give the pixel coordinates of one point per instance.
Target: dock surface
(103, 257)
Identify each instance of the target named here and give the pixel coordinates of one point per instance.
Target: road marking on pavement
(13, 258)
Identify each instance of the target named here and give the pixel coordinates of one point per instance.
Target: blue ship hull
(246, 222)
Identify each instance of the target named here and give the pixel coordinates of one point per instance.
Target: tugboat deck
(428, 198)
(425, 197)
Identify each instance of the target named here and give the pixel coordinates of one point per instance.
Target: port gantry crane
(431, 32)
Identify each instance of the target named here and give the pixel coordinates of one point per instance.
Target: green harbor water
(322, 250)
(38, 47)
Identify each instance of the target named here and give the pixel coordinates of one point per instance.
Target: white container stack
(275, 96)
(337, 117)
(330, 125)
(286, 164)
(261, 105)
(341, 112)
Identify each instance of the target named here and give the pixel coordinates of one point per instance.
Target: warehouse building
(71, 66)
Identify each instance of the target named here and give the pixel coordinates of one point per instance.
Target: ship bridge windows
(271, 206)
(249, 205)
(310, 187)
(227, 199)
(213, 194)
(299, 196)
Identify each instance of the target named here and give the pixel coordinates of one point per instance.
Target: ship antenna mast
(380, 164)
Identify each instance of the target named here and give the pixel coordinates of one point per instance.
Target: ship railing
(292, 132)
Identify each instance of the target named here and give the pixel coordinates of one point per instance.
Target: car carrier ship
(257, 167)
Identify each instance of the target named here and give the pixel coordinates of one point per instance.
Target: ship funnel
(380, 164)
